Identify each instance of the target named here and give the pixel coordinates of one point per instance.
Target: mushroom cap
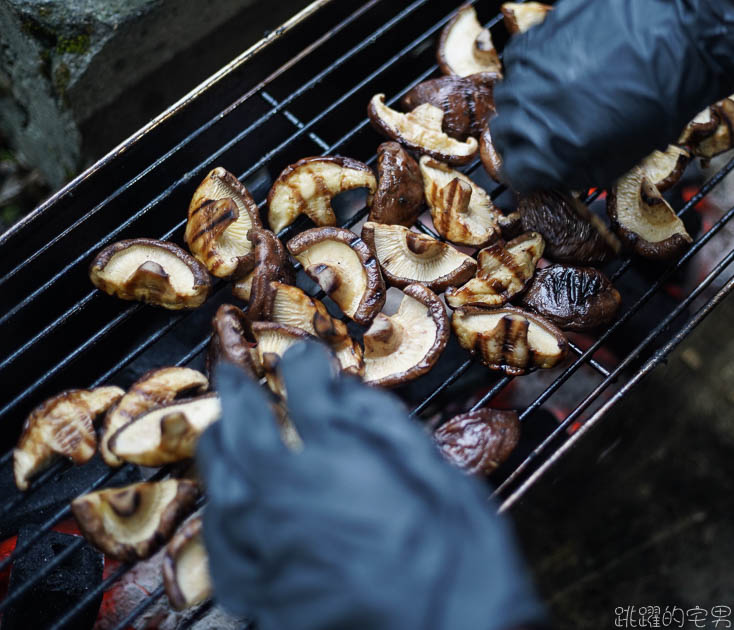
(62, 425)
(399, 197)
(462, 212)
(342, 264)
(509, 339)
(221, 213)
(154, 388)
(131, 523)
(186, 567)
(644, 220)
(504, 271)
(166, 434)
(466, 47)
(520, 16)
(308, 186)
(491, 159)
(420, 130)
(401, 347)
(479, 441)
(229, 343)
(273, 340)
(154, 272)
(407, 257)
(711, 133)
(573, 298)
(665, 168)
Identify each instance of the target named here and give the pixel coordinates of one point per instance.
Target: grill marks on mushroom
(712, 131)
(407, 257)
(154, 272)
(509, 339)
(273, 340)
(421, 131)
(399, 197)
(308, 186)
(131, 523)
(504, 271)
(62, 425)
(520, 16)
(644, 220)
(229, 343)
(665, 168)
(221, 213)
(401, 347)
(466, 46)
(186, 567)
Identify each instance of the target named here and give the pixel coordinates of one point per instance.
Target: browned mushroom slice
(154, 388)
(186, 567)
(509, 339)
(466, 101)
(308, 186)
(221, 213)
(644, 220)
(491, 159)
(399, 196)
(421, 131)
(407, 257)
(401, 347)
(479, 441)
(154, 272)
(131, 523)
(665, 168)
(504, 270)
(344, 267)
(273, 340)
(572, 233)
(712, 131)
(462, 212)
(62, 425)
(228, 341)
(701, 127)
(520, 16)
(466, 46)
(573, 298)
(166, 434)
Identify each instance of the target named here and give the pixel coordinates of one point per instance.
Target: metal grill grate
(58, 332)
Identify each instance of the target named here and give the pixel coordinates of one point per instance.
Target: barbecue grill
(302, 90)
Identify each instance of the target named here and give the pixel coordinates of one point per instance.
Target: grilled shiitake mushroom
(509, 339)
(186, 567)
(221, 213)
(344, 267)
(407, 257)
(644, 220)
(466, 46)
(229, 343)
(273, 341)
(712, 131)
(150, 271)
(61, 426)
(491, 159)
(308, 186)
(399, 197)
(665, 168)
(466, 101)
(520, 16)
(479, 441)
(420, 131)
(572, 233)
(573, 298)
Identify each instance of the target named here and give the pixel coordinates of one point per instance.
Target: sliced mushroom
(644, 220)
(462, 212)
(407, 257)
(166, 434)
(520, 16)
(701, 127)
(186, 567)
(504, 271)
(229, 343)
(344, 267)
(154, 388)
(479, 441)
(221, 213)
(491, 159)
(131, 523)
(712, 131)
(62, 425)
(466, 46)
(154, 272)
(466, 101)
(572, 233)
(665, 168)
(399, 197)
(420, 131)
(509, 339)
(401, 347)
(573, 298)
(308, 186)
(273, 340)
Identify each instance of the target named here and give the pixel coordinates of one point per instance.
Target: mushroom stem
(456, 195)
(383, 337)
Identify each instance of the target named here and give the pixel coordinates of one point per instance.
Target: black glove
(602, 83)
(365, 527)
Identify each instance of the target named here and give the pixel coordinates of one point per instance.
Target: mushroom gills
(466, 46)
(157, 268)
(186, 567)
(273, 341)
(521, 16)
(665, 168)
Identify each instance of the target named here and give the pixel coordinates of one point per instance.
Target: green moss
(77, 45)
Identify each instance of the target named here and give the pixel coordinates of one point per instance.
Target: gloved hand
(366, 527)
(602, 83)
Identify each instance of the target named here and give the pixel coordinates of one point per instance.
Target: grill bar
(139, 609)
